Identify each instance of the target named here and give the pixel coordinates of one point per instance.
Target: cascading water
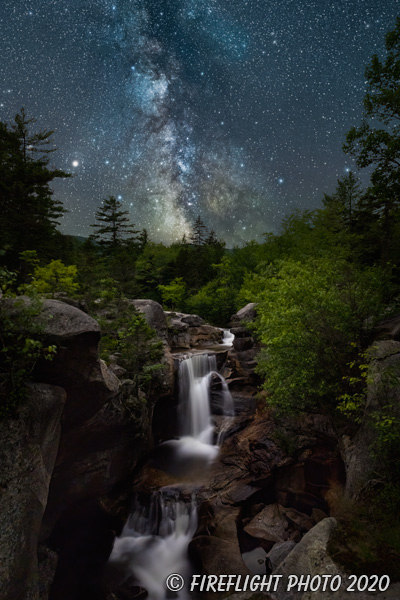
(153, 544)
(154, 541)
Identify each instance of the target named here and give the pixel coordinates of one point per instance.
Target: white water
(154, 541)
(228, 337)
(153, 544)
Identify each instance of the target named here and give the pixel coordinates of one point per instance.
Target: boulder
(76, 366)
(245, 314)
(270, 524)
(28, 452)
(63, 322)
(309, 556)
(278, 553)
(154, 315)
(190, 331)
(218, 552)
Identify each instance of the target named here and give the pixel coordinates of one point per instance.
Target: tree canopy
(29, 213)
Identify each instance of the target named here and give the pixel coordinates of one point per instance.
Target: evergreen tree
(115, 228)
(341, 208)
(379, 146)
(143, 239)
(29, 213)
(200, 231)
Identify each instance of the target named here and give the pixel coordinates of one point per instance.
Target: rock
(76, 367)
(384, 370)
(388, 329)
(245, 314)
(244, 348)
(309, 556)
(47, 564)
(270, 524)
(255, 561)
(300, 521)
(189, 331)
(243, 343)
(278, 553)
(154, 315)
(218, 552)
(62, 322)
(28, 452)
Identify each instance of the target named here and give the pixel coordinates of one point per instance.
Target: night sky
(232, 109)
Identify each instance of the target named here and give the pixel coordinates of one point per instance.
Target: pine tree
(199, 234)
(29, 213)
(115, 228)
(343, 204)
(376, 142)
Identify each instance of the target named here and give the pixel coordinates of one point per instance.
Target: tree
(55, 277)
(199, 234)
(342, 205)
(115, 228)
(29, 213)
(379, 146)
(174, 293)
(312, 318)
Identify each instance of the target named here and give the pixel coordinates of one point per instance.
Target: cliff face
(63, 461)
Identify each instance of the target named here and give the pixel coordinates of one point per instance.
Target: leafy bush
(311, 322)
(138, 349)
(21, 344)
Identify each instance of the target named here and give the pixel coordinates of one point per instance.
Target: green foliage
(29, 213)
(139, 350)
(215, 301)
(367, 539)
(173, 294)
(310, 322)
(21, 345)
(55, 277)
(114, 228)
(376, 142)
(352, 402)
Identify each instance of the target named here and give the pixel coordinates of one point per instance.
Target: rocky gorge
(74, 461)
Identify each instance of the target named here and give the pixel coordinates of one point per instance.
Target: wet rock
(190, 331)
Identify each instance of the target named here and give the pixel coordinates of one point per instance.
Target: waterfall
(154, 541)
(153, 544)
(228, 337)
(195, 374)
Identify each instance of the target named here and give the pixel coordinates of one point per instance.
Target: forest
(321, 284)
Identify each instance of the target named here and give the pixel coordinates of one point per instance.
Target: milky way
(232, 109)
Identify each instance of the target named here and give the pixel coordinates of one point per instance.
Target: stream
(154, 541)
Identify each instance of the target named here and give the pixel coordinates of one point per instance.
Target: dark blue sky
(233, 109)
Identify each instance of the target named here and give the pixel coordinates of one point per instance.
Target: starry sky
(232, 109)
